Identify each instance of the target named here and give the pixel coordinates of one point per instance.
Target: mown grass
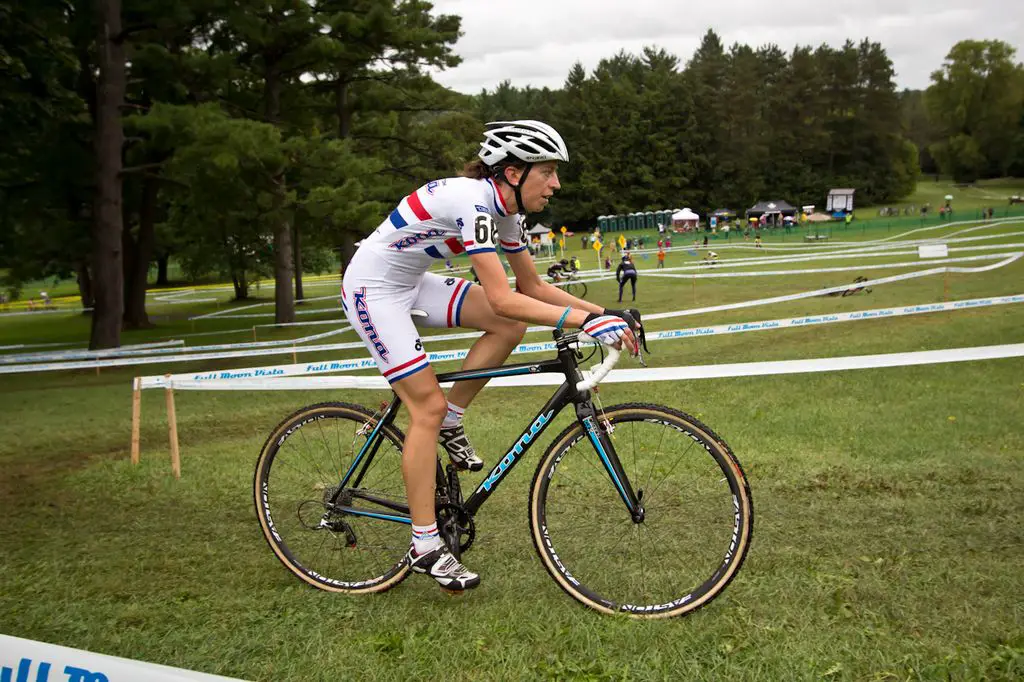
(888, 538)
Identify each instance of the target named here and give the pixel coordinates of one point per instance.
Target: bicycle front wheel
(309, 522)
(696, 527)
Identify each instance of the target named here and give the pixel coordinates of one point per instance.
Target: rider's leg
(425, 401)
(426, 404)
(501, 336)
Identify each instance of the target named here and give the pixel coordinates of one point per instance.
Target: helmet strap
(516, 188)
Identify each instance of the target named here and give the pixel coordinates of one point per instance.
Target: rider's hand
(627, 315)
(611, 330)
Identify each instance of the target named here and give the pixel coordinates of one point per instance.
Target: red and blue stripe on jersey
(410, 210)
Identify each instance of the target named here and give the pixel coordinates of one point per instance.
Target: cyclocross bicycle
(636, 508)
(574, 287)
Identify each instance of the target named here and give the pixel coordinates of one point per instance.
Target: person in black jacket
(626, 272)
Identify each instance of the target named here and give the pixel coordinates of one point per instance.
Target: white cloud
(535, 42)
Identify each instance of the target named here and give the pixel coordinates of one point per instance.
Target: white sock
(454, 416)
(425, 538)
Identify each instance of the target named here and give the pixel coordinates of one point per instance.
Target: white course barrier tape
(48, 311)
(332, 347)
(326, 367)
(21, 346)
(124, 351)
(746, 369)
(1001, 221)
(849, 268)
(25, 660)
(842, 255)
(311, 323)
(154, 344)
(821, 292)
(248, 316)
(227, 313)
(173, 346)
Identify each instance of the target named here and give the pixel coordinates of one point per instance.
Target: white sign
(932, 251)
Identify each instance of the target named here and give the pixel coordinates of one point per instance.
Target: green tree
(976, 101)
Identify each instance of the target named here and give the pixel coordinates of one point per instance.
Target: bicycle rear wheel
(299, 504)
(695, 532)
(577, 289)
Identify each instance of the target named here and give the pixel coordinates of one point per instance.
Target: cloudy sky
(535, 42)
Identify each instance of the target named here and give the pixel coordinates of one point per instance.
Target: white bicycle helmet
(529, 141)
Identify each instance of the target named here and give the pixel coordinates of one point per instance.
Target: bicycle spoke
(300, 477)
(658, 562)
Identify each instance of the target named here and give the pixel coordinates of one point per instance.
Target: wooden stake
(254, 332)
(136, 417)
(295, 360)
(172, 431)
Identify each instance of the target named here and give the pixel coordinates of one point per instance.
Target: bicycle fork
(599, 435)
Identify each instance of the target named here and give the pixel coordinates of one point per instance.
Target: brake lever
(640, 333)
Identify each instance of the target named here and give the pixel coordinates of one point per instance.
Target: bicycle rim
(297, 476)
(698, 515)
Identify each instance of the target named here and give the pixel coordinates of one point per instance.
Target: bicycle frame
(567, 365)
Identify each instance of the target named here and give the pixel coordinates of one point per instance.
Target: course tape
(13, 369)
(843, 255)
(326, 367)
(849, 268)
(829, 290)
(172, 346)
(746, 369)
(227, 313)
(124, 351)
(25, 660)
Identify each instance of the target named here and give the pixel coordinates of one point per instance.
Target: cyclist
(516, 172)
(556, 271)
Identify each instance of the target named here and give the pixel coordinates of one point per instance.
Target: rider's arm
(508, 303)
(530, 283)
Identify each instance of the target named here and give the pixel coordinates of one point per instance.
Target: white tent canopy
(685, 214)
(539, 229)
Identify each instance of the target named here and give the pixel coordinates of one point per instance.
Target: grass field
(889, 514)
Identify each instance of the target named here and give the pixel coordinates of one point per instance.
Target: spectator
(607, 263)
(757, 242)
(661, 258)
(705, 240)
(626, 272)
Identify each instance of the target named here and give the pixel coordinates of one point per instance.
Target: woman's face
(541, 183)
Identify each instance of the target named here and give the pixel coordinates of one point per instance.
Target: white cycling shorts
(382, 316)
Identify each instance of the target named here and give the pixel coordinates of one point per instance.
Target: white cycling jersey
(387, 278)
(442, 219)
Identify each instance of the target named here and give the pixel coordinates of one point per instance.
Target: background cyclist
(558, 271)
(516, 172)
